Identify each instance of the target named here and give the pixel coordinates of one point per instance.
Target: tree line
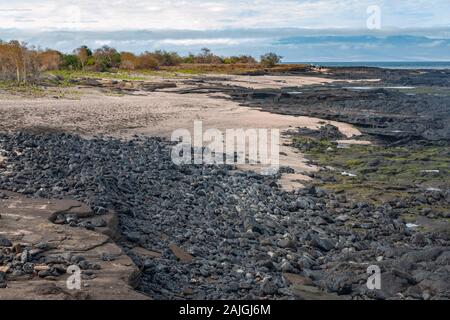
(23, 63)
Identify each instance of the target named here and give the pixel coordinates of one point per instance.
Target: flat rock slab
(181, 255)
(146, 253)
(27, 222)
(304, 289)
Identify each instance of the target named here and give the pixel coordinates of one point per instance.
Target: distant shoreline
(438, 65)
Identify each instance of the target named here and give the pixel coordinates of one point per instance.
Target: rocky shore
(220, 233)
(215, 232)
(395, 106)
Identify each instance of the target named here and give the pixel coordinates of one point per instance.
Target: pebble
(4, 242)
(269, 287)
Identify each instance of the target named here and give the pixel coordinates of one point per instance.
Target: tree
(106, 58)
(31, 68)
(206, 52)
(71, 62)
(18, 62)
(15, 50)
(83, 53)
(166, 58)
(270, 60)
(7, 63)
(206, 56)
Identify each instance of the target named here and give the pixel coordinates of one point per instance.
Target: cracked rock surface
(35, 254)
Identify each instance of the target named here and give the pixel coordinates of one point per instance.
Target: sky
(299, 30)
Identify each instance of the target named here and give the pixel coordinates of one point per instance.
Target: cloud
(102, 15)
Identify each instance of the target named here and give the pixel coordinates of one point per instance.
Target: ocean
(387, 65)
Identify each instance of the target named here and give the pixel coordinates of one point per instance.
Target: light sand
(159, 114)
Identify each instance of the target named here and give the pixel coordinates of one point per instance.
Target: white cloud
(100, 43)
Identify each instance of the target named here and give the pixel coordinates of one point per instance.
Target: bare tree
(49, 60)
(18, 62)
(15, 51)
(83, 53)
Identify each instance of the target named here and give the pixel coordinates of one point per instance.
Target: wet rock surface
(395, 106)
(390, 115)
(206, 232)
(403, 77)
(327, 131)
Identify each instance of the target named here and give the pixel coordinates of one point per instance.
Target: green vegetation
(22, 63)
(106, 58)
(376, 174)
(380, 173)
(313, 145)
(31, 90)
(70, 62)
(270, 60)
(24, 89)
(65, 76)
(68, 75)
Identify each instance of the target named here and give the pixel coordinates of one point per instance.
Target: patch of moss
(313, 145)
(381, 173)
(23, 89)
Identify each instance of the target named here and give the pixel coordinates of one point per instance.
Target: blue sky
(300, 30)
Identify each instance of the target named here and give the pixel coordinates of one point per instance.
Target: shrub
(147, 60)
(50, 60)
(128, 61)
(70, 62)
(191, 58)
(270, 60)
(206, 56)
(106, 58)
(243, 59)
(166, 58)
